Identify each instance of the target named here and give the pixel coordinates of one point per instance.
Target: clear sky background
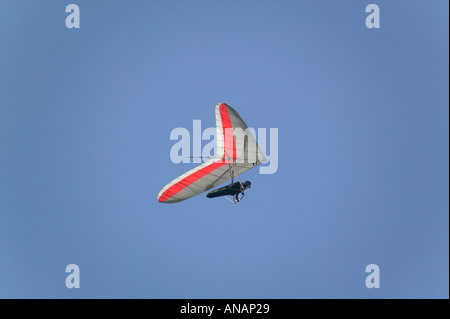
(363, 120)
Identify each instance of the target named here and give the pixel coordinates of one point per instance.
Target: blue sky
(362, 115)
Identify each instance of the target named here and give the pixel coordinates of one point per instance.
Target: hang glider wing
(235, 145)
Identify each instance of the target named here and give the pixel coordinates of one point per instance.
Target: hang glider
(237, 152)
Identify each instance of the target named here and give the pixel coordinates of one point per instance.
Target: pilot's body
(233, 189)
